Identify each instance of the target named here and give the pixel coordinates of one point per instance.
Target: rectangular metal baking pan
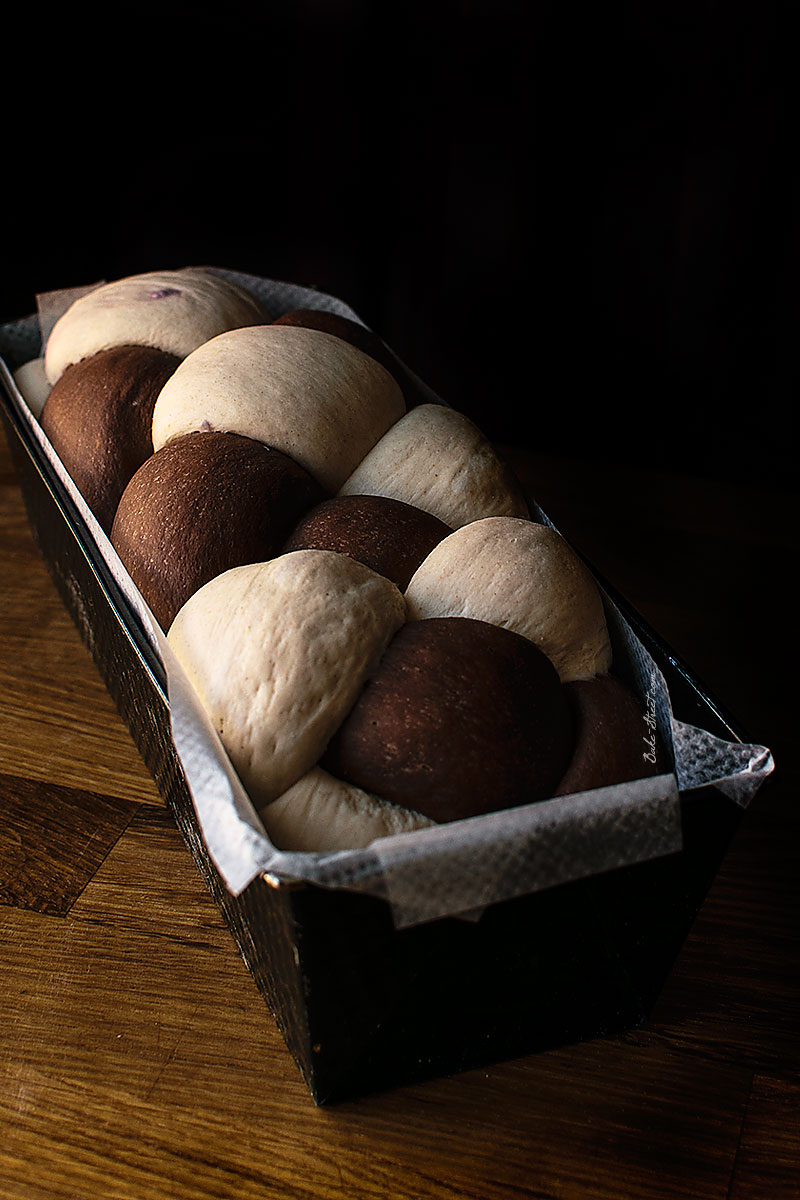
(364, 1006)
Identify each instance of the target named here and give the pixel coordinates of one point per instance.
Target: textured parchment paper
(448, 869)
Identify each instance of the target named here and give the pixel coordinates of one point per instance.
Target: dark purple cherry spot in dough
(161, 293)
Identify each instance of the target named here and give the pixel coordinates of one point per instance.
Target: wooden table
(138, 1059)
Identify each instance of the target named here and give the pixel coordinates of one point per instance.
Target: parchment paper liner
(454, 869)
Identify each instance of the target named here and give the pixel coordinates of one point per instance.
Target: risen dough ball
(200, 505)
(32, 382)
(98, 416)
(307, 393)
(387, 535)
(522, 576)
(362, 337)
(278, 653)
(437, 460)
(460, 718)
(320, 812)
(175, 311)
(614, 742)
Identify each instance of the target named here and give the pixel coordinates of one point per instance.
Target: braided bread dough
(174, 311)
(525, 577)
(436, 459)
(321, 812)
(278, 653)
(306, 393)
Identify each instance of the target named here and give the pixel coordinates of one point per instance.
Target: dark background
(578, 224)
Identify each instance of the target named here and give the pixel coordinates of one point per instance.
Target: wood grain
(69, 731)
(766, 1162)
(139, 1062)
(52, 840)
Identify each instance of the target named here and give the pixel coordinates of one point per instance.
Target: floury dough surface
(278, 652)
(306, 393)
(522, 576)
(436, 459)
(322, 813)
(175, 311)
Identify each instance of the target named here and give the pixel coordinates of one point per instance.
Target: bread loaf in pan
(612, 935)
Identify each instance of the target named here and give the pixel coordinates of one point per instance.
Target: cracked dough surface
(278, 653)
(525, 577)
